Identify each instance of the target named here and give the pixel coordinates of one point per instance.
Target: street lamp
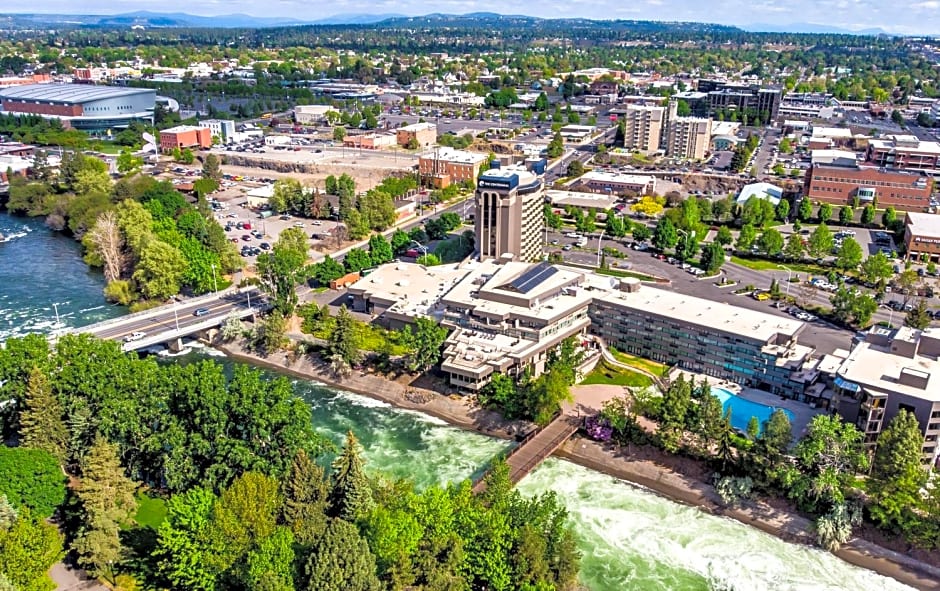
(176, 317)
(599, 240)
(789, 274)
(420, 247)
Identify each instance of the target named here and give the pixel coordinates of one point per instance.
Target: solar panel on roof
(532, 278)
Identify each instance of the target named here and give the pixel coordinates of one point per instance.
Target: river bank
(646, 467)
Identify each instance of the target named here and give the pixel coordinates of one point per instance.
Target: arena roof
(67, 93)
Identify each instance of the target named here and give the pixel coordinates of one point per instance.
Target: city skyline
(911, 17)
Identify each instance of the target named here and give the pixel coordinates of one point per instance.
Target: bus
(267, 116)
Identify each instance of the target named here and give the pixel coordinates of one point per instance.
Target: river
(630, 537)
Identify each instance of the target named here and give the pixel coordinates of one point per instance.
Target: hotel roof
(876, 367)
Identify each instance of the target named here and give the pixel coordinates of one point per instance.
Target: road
(170, 317)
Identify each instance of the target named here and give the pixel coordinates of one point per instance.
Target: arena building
(82, 106)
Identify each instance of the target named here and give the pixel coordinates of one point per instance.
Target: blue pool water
(742, 410)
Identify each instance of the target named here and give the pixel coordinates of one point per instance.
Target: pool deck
(802, 413)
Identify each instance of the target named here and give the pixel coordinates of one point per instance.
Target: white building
(311, 114)
(764, 191)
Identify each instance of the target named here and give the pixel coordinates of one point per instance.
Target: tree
(425, 340)
(890, 217)
(856, 306)
(306, 495)
(827, 459)
(127, 162)
(753, 428)
(897, 117)
(107, 501)
(876, 269)
(400, 241)
(344, 340)
(687, 247)
(806, 210)
(665, 235)
(649, 206)
(184, 547)
(211, 168)
(288, 195)
(327, 270)
(868, 214)
(575, 168)
(544, 395)
(556, 147)
(724, 236)
(846, 215)
(160, 270)
(340, 560)
(380, 251)
(713, 257)
(783, 210)
(31, 477)
(746, 238)
(428, 260)
(919, 316)
(675, 409)
(777, 433)
(280, 270)
(849, 256)
(820, 241)
(105, 245)
(356, 260)
(41, 425)
(794, 247)
(641, 232)
(897, 475)
(339, 134)
(351, 493)
(770, 242)
(28, 548)
(825, 213)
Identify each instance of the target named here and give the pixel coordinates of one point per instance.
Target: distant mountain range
(150, 19)
(181, 19)
(809, 28)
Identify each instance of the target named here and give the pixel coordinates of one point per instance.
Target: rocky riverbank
(644, 466)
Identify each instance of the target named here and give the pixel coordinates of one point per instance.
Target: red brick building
(185, 136)
(841, 185)
(922, 235)
(905, 152)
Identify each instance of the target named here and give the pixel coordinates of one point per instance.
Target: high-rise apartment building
(508, 215)
(688, 137)
(643, 127)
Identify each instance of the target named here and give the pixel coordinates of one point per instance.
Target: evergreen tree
(305, 499)
(918, 317)
(351, 494)
(340, 560)
(41, 425)
(897, 475)
(344, 340)
(777, 434)
(107, 499)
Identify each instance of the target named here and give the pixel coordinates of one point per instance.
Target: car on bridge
(200, 311)
(134, 336)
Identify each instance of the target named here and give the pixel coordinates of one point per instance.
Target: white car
(298, 224)
(134, 336)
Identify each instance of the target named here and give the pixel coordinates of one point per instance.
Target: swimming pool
(742, 410)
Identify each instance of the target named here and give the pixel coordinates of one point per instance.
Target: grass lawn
(653, 367)
(618, 273)
(108, 148)
(765, 265)
(605, 374)
(150, 511)
(371, 337)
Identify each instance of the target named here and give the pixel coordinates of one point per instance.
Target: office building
(420, 135)
(185, 136)
(643, 128)
(312, 114)
(842, 185)
(745, 100)
(223, 129)
(444, 166)
(688, 138)
(508, 215)
(618, 183)
(922, 236)
(889, 371)
(720, 340)
(905, 152)
(81, 106)
(507, 317)
(697, 102)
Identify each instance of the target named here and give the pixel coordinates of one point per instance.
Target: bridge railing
(218, 295)
(170, 334)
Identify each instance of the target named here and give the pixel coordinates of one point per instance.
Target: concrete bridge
(169, 323)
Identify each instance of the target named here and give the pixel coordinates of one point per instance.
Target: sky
(895, 16)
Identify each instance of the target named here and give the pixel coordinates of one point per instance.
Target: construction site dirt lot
(367, 167)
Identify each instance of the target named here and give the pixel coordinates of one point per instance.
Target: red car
(246, 238)
(411, 252)
(246, 225)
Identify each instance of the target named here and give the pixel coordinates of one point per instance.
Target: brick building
(185, 136)
(922, 235)
(424, 134)
(444, 166)
(841, 185)
(904, 152)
